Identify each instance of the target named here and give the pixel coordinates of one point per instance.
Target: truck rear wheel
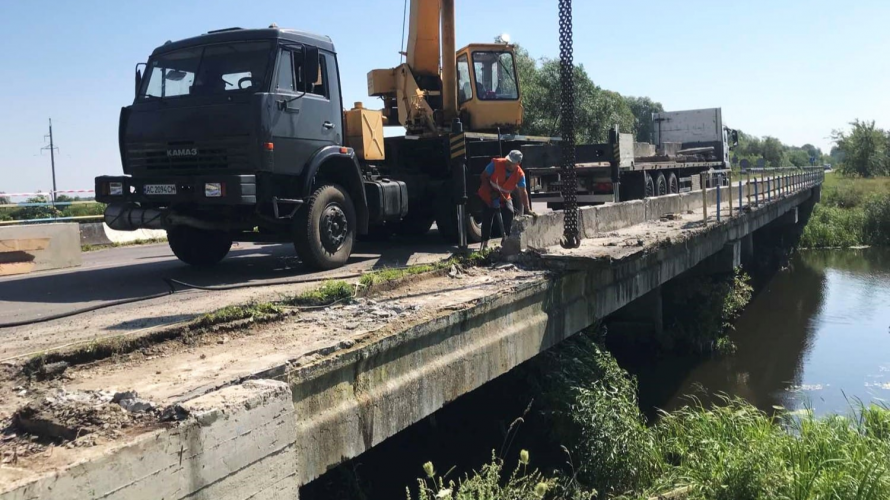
(324, 228)
(198, 247)
(661, 187)
(673, 183)
(648, 186)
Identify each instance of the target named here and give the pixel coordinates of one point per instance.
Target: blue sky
(794, 69)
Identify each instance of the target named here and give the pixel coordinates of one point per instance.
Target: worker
(499, 179)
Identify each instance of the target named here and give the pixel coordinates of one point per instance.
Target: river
(816, 335)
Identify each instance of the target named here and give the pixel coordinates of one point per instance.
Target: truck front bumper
(178, 190)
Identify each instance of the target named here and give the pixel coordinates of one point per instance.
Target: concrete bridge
(265, 433)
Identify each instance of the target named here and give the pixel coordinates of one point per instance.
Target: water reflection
(817, 335)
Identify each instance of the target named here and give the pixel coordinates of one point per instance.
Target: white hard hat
(515, 157)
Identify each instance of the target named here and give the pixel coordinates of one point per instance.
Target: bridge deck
(355, 374)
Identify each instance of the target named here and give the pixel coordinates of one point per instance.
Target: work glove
(532, 213)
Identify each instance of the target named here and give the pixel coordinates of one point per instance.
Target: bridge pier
(643, 316)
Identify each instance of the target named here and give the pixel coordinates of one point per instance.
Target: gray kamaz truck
(232, 136)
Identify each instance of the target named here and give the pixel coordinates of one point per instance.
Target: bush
(596, 414)
(834, 227)
(876, 221)
(699, 310)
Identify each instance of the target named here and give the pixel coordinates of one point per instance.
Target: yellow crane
(436, 84)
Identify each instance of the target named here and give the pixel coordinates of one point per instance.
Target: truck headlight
(115, 188)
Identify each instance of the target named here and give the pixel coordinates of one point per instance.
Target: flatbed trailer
(688, 143)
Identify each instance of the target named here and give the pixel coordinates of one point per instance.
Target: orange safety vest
(498, 182)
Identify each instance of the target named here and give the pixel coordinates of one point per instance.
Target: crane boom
(436, 84)
(422, 53)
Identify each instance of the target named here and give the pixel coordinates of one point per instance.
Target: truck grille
(219, 154)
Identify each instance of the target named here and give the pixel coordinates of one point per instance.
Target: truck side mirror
(735, 138)
(310, 65)
(138, 79)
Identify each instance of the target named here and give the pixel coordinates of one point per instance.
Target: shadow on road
(142, 269)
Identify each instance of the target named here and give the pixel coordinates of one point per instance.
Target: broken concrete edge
(235, 443)
(535, 233)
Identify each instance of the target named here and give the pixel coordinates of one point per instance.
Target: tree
(864, 149)
(4, 200)
(773, 152)
(596, 109)
(798, 157)
(642, 109)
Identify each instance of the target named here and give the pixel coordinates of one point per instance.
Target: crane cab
(488, 93)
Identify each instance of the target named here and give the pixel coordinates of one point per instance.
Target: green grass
(387, 275)
(150, 241)
(255, 310)
(735, 451)
(328, 293)
(853, 212)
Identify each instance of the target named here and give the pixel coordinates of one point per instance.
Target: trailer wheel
(198, 247)
(324, 228)
(673, 183)
(415, 223)
(661, 187)
(446, 221)
(649, 186)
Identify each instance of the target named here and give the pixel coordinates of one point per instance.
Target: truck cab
(238, 135)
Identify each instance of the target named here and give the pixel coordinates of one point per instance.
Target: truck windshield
(208, 70)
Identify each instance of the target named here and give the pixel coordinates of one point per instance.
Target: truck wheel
(648, 186)
(198, 247)
(661, 187)
(324, 228)
(673, 183)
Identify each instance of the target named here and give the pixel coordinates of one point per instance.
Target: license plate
(159, 189)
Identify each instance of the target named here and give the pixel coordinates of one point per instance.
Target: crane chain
(567, 126)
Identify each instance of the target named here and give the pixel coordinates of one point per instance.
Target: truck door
(307, 119)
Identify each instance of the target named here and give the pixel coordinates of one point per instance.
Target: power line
(52, 157)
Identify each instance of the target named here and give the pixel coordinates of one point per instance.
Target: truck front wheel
(324, 228)
(198, 247)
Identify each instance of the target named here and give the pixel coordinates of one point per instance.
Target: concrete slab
(38, 247)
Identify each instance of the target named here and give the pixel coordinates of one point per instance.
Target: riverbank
(853, 212)
(731, 451)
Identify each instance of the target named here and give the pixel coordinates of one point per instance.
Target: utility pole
(52, 158)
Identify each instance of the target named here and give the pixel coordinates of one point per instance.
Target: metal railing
(763, 184)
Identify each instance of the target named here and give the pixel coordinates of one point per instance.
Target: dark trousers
(503, 216)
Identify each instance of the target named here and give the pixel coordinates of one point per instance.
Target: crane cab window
(495, 76)
(464, 87)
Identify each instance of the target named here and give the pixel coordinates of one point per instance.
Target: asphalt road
(137, 271)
